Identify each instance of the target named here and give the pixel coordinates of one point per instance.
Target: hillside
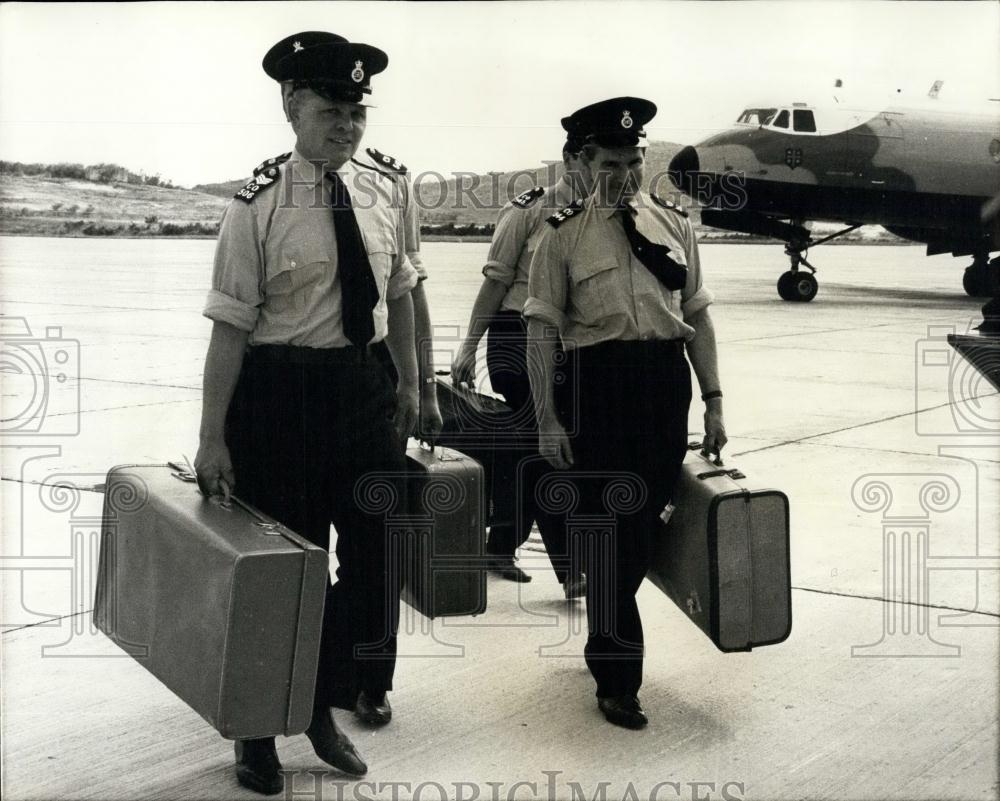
(40, 205)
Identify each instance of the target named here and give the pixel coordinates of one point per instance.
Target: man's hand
(715, 431)
(213, 466)
(407, 410)
(553, 443)
(463, 368)
(431, 422)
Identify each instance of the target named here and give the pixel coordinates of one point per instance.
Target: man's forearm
(400, 339)
(488, 301)
(424, 339)
(222, 370)
(703, 355)
(541, 349)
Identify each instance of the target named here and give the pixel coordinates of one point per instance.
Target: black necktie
(358, 291)
(655, 257)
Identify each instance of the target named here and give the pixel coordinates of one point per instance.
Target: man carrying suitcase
(617, 278)
(498, 306)
(310, 272)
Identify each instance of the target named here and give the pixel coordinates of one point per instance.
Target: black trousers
(506, 360)
(625, 407)
(304, 437)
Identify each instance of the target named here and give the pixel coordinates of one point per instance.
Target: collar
(312, 173)
(609, 212)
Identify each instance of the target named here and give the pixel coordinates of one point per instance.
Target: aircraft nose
(683, 167)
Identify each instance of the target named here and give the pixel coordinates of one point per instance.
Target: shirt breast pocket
(596, 292)
(294, 276)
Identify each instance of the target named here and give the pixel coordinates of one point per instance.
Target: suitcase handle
(697, 446)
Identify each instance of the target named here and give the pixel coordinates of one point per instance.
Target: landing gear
(976, 278)
(796, 284)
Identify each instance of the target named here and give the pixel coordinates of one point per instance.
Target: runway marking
(943, 607)
(859, 425)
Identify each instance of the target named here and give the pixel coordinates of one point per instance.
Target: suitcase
(219, 602)
(485, 429)
(443, 560)
(723, 556)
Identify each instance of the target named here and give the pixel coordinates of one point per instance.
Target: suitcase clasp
(269, 528)
(693, 604)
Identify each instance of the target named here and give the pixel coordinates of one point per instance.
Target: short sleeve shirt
(585, 280)
(518, 231)
(275, 272)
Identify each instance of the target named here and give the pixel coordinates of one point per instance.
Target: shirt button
(292, 263)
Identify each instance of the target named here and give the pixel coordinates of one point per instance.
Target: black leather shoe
(332, 745)
(373, 711)
(623, 710)
(575, 587)
(505, 568)
(257, 766)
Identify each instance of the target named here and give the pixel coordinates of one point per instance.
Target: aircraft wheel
(786, 285)
(975, 282)
(798, 286)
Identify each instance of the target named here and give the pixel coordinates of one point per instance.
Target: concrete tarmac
(854, 405)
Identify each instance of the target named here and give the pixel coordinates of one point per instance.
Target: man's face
(617, 172)
(326, 130)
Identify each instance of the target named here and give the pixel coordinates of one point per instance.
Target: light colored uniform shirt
(275, 272)
(406, 201)
(586, 281)
(518, 231)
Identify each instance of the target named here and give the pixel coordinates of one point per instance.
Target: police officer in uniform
(498, 308)
(616, 277)
(310, 272)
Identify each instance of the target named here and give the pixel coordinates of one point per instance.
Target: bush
(76, 171)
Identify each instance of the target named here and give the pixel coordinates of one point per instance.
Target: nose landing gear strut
(796, 284)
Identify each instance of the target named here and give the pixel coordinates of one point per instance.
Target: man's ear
(287, 90)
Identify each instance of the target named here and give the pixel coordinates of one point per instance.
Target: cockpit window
(757, 116)
(804, 121)
(781, 121)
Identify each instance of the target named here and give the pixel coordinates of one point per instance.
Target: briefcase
(443, 557)
(723, 556)
(485, 429)
(221, 603)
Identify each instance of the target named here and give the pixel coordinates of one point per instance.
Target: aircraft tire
(805, 287)
(786, 286)
(975, 282)
(797, 286)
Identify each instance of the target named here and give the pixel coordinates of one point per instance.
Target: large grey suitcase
(723, 556)
(219, 602)
(443, 567)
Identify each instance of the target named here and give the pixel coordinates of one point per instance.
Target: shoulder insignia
(266, 165)
(525, 199)
(386, 161)
(666, 204)
(265, 175)
(562, 215)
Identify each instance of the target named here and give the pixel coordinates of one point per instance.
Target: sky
(176, 89)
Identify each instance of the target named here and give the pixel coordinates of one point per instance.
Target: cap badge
(297, 46)
(626, 119)
(358, 74)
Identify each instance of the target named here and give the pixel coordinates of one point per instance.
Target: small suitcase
(443, 560)
(723, 556)
(485, 429)
(219, 602)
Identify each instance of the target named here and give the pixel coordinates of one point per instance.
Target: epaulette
(562, 215)
(666, 204)
(263, 176)
(386, 161)
(525, 199)
(264, 165)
